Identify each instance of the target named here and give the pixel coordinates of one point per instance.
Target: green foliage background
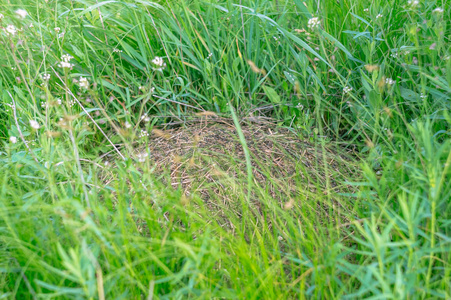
(331, 84)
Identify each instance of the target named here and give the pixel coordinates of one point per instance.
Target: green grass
(374, 80)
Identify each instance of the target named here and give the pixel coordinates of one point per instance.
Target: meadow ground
(264, 149)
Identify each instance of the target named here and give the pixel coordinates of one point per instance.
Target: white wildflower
(158, 61)
(438, 10)
(143, 133)
(413, 3)
(65, 65)
(313, 23)
(22, 13)
(10, 30)
(46, 77)
(83, 82)
(57, 29)
(366, 10)
(423, 96)
(61, 35)
(379, 16)
(13, 139)
(389, 81)
(347, 89)
(66, 58)
(127, 125)
(1, 16)
(117, 50)
(34, 124)
(65, 62)
(142, 156)
(145, 117)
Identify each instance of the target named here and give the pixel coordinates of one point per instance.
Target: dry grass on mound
(207, 157)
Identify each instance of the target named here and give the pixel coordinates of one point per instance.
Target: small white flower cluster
(10, 30)
(423, 96)
(71, 102)
(389, 81)
(83, 83)
(347, 89)
(65, 62)
(46, 77)
(21, 13)
(145, 117)
(158, 61)
(127, 125)
(438, 10)
(413, 3)
(313, 23)
(117, 50)
(143, 88)
(13, 139)
(44, 104)
(141, 157)
(209, 55)
(366, 9)
(143, 133)
(34, 124)
(1, 16)
(379, 16)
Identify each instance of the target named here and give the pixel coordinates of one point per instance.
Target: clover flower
(313, 23)
(83, 82)
(142, 157)
(65, 62)
(347, 89)
(10, 30)
(413, 3)
(34, 124)
(143, 133)
(22, 13)
(389, 81)
(145, 117)
(158, 61)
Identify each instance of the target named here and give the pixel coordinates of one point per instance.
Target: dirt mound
(208, 157)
